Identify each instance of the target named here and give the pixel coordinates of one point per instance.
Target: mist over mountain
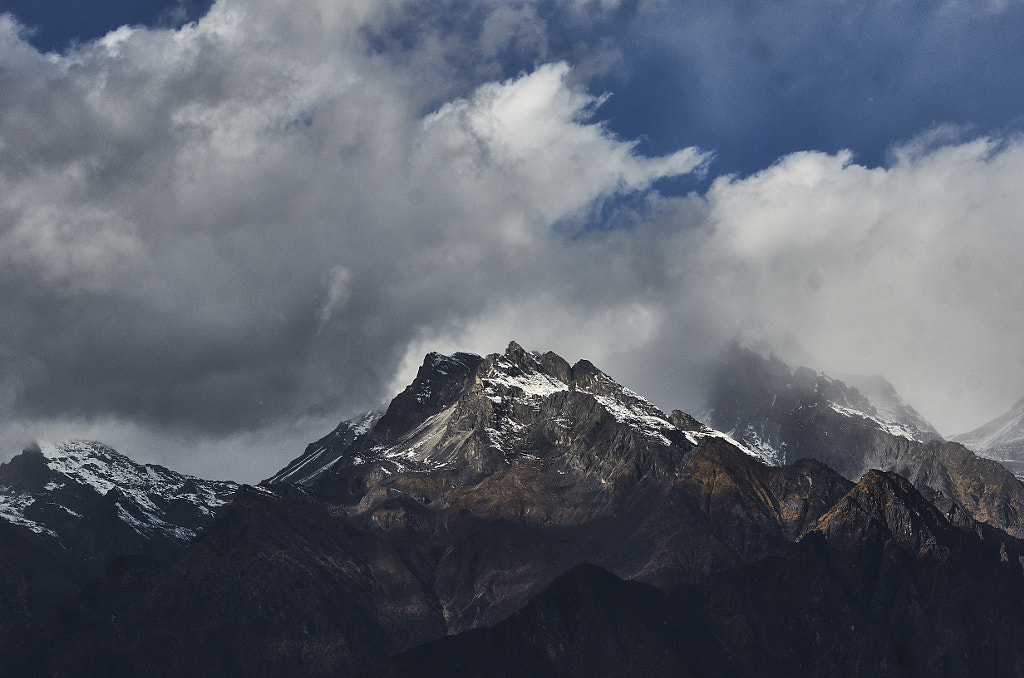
(788, 413)
(1001, 439)
(764, 402)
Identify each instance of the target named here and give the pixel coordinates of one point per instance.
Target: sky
(226, 227)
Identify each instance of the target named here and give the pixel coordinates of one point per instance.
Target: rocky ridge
(883, 584)
(890, 409)
(88, 503)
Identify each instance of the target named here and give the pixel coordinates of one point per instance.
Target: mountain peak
(519, 355)
(549, 363)
(556, 366)
(767, 405)
(439, 380)
(496, 412)
(887, 506)
(53, 487)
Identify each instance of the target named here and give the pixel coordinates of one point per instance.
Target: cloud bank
(217, 241)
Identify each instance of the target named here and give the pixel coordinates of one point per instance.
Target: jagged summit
(766, 403)
(502, 409)
(886, 506)
(890, 407)
(54, 488)
(438, 383)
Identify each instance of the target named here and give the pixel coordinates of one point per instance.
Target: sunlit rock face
(464, 412)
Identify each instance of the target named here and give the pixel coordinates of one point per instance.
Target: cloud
(529, 135)
(244, 222)
(89, 250)
(907, 270)
(337, 292)
(216, 238)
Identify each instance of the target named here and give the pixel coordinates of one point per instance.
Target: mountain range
(514, 514)
(87, 503)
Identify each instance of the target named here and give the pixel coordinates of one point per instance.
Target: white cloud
(208, 234)
(338, 279)
(908, 270)
(172, 199)
(530, 135)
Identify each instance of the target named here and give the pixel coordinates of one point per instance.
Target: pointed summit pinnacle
(517, 355)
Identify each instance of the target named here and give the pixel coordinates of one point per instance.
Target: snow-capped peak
(51, 488)
(505, 378)
(506, 406)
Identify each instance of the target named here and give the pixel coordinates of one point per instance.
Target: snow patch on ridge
(103, 470)
(650, 425)
(753, 443)
(532, 384)
(1001, 439)
(696, 436)
(12, 509)
(890, 427)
